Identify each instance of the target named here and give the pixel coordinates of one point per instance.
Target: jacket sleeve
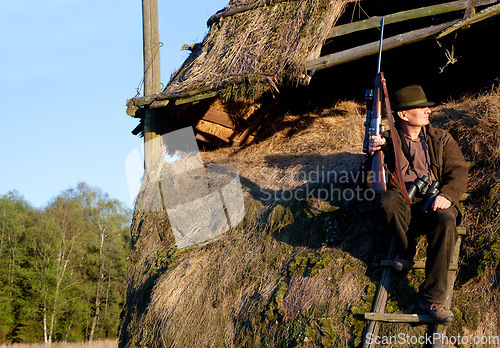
(455, 171)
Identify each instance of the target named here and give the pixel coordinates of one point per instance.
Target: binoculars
(428, 190)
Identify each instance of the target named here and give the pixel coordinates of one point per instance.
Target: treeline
(63, 267)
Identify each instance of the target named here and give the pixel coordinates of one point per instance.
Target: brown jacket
(447, 162)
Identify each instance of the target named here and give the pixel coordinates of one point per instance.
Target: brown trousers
(440, 229)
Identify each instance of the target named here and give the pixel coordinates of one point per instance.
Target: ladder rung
(399, 318)
(465, 196)
(417, 265)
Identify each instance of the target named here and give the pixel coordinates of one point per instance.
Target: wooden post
(152, 82)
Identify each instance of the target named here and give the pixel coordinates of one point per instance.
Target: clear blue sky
(67, 68)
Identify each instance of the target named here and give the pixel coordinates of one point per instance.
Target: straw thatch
(257, 46)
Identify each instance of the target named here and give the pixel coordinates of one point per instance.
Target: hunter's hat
(411, 97)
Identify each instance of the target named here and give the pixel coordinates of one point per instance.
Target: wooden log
(373, 47)
(465, 196)
(196, 97)
(399, 318)
(148, 99)
(152, 81)
(191, 47)
(255, 123)
(374, 22)
(462, 231)
(417, 265)
(484, 14)
(159, 104)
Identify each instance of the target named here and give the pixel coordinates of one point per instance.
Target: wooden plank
(159, 104)
(374, 22)
(220, 117)
(372, 48)
(465, 196)
(210, 138)
(399, 318)
(462, 231)
(484, 14)
(196, 97)
(262, 113)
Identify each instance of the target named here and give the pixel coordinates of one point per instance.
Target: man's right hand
(376, 143)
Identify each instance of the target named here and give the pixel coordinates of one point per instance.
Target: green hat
(411, 97)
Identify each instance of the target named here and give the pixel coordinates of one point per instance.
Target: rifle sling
(394, 135)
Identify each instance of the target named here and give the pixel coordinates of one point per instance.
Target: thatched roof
(256, 46)
(259, 45)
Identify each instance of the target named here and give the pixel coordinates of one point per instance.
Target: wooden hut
(231, 80)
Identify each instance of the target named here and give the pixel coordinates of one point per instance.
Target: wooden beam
(219, 117)
(484, 14)
(196, 97)
(399, 318)
(210, 138)
(152, 81)
(417, 265)
(148, 99)
(372, 48)
(262, 113)
(374, 22)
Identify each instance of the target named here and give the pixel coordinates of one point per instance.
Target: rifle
(373, 126)
(373, 123)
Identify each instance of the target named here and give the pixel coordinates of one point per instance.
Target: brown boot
(402, 265)
(438, 311)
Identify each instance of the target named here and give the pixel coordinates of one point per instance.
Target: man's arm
(455, 171)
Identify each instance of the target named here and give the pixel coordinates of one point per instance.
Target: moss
(322, 263)
(355, 319)
(321, 331)
(491, 256)
(280, 216)
(311, 264)
(275, 311)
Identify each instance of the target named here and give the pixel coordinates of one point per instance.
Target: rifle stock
(378, 183)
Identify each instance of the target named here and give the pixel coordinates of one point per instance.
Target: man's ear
(402, 115)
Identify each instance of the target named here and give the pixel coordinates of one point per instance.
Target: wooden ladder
(378, 310)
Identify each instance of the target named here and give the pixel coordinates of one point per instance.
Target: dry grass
(110, 343)
(475, 123)
(295, 147)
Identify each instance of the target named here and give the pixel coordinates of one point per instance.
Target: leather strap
(394, 136)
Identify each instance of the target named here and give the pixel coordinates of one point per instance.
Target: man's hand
(441, 202)
(375, 144)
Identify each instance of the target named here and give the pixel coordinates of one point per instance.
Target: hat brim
(414, 106)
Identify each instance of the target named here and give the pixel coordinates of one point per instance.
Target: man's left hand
(441, 202)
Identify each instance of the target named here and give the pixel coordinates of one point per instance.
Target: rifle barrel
(382, 21)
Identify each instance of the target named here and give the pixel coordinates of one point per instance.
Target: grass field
(111, 343)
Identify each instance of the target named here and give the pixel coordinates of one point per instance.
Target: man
(431, 152)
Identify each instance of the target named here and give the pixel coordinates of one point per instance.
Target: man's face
(416, 117)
